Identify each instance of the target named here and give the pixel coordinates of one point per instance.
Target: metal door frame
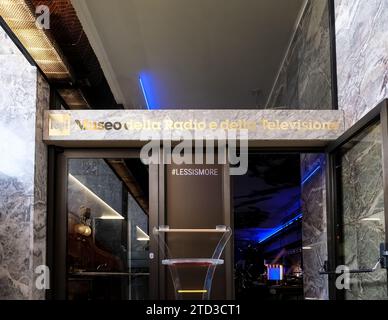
(334, 217)
(57, 213)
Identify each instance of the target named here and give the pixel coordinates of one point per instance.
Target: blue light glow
(282, 227)
(310, 175)
(275, 273)
(144, 93)
(262, 234)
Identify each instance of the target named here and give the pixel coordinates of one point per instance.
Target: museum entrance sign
(129, 128)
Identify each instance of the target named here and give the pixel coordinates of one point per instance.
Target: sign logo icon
(59, 124)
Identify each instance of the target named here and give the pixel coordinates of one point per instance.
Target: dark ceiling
(170, 54)
(190, 54)
(70, 38)
(269, 194)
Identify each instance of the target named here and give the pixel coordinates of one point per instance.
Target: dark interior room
(268, 228)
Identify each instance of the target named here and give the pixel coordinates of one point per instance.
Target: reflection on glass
(361, 185)
(107, 243)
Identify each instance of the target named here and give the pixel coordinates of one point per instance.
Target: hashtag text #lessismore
(195, 172)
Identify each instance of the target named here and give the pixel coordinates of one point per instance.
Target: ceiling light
(20, 18)
(112, 215)
(73, 98)
(282, 227)
(108, 217)
(311, 174)
(144, 93)
(141, 235)
(306, 248)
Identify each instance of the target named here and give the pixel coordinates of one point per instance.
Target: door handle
(382, 261)
(354, 270)
(383, 256)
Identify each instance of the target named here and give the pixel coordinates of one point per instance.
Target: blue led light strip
(144, 93)
(310, 175)
(282, 227)
(299, 216)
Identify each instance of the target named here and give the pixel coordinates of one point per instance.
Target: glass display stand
(209, 264)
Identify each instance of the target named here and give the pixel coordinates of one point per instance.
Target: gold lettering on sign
(60, 125)
(238, 125)
(185, 125)
(312, 125)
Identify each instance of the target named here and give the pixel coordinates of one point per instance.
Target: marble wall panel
(39, 221)
(23, 98)
(314, 226)
(17, 130)
(362, 55)
(363, 213)
(304, 80)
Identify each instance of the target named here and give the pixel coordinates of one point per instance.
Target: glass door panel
(107, 229)
(360, 191)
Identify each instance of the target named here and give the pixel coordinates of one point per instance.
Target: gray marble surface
(314, 226)
(23, 97)
(315, 286)
(18, 82)
(362, 189)
(39, 220)
(362, 55)
(304, 81)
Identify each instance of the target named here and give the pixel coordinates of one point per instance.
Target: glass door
(104, 219)
(358, 211)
